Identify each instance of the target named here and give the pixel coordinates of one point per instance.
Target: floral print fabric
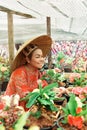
(22, 81)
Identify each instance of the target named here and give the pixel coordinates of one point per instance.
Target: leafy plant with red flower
(75, 112)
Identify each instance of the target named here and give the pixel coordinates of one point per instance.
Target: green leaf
(53, 108)
(60, 56)
(40, 88)
(27, 96)
(50, 86)
(32, 99)
(44, 101)
(60, 128)
(72, 105)
(66, 111)
(22, 121)
(2, 127)
(36, 114)
(50, 72)
(83, 113)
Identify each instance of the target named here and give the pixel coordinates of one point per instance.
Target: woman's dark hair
(30, 55)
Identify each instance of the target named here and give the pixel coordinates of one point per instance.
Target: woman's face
(37, 59)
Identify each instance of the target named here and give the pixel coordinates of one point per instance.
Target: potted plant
(73, 116)
(68, 64)
(52, 75)
(11, 114)
(60, 60)
(42, 108)
(78, 79)
(4, 75)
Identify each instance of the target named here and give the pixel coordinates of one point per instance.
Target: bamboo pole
(10, 38)
(49, 34)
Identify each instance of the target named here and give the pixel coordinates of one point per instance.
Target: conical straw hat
(43, 42)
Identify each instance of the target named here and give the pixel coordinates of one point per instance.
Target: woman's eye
(37, 56)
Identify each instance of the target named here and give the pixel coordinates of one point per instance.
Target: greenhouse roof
(68, 18)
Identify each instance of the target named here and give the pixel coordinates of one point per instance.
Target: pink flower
(73, 76)
(3, 69)
(57, 70)
(77, 90)
(81, 96)
(71, 79)
(77, 75)
(85, 90)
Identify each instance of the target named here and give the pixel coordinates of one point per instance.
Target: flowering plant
(78, 79)
(60, 56)
(4, 72)
(75, 114)
(53, 75)
(81, 92)
(12, 116)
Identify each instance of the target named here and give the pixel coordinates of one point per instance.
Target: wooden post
(10, 38)
(49, 33)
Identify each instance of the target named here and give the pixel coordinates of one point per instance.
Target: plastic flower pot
(25, 128)
(49, 128)
(59, 101)
(66, 96)
(67, 68)
(59, 120)
(46, 128)
(4, 85)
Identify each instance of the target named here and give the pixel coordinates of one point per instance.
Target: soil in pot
(42, 122)
(47, 120)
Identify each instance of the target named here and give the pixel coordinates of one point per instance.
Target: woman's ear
(27, 59)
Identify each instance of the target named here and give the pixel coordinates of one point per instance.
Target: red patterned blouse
(22, 81)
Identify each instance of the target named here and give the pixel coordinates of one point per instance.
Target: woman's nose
(42, 58)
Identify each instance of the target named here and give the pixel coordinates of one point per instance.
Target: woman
(26, 65)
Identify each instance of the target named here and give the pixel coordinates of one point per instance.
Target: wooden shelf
(68, 74)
